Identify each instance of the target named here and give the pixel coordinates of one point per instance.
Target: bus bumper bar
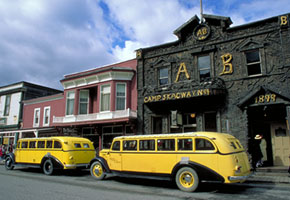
(239, 178)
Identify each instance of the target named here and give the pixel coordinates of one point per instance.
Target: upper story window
(46, 116)
(84, 102)
(36, 117)
(163, 76)
(7, 105)
(253, 62)
(121, 96)
(203, 63)
(105, 98)
(70, 99)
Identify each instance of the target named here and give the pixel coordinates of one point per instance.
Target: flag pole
(201, 12)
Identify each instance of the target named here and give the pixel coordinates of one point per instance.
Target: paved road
(31, 184)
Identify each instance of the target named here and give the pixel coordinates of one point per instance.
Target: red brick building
(98, 104)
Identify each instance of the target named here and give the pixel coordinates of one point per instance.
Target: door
(280, 144)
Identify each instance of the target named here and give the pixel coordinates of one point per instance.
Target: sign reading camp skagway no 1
(178, 95)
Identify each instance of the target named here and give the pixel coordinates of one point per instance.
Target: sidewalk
(270, 175)
(263, 175)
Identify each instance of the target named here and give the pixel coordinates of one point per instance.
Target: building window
(204, 67)
(105, 97)
(121, 96)
(7, 105)
(46, 116)
(70, 101)
(36, 117)
(163, 76)
(253, 63)
(84, 102)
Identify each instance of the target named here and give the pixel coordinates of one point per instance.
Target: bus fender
(203, 172)
(103, 162)
(56, 162)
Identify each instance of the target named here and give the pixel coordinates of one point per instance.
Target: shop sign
(177, 95)
(283, 21)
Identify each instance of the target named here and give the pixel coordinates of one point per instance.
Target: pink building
(98, 104)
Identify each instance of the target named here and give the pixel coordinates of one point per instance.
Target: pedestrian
(256, 152)
(1, 154)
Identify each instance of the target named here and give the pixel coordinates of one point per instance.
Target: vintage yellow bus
(187, 158)
(52, 153)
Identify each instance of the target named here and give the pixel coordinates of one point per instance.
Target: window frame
(101, 98)
(7, 105)
(87, 102)
(162, 78)
(36, 124)
(253, 63)
(203, 69)
(72, 100)
(123, 97)
(47, 108)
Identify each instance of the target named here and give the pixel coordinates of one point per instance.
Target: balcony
(96, 116)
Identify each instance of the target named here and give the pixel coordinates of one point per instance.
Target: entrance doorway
(269, 121)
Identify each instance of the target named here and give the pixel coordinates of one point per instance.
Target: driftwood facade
(220, 78)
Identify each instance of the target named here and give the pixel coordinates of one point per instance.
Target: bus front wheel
(187, 179)
(9, 163)
(97, 170)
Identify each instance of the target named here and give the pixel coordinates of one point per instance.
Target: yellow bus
(187, 158)
(52, 153)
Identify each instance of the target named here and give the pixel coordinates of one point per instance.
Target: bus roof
(211, 135)
(61, 138)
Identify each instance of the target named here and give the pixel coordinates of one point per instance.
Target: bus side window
(49, 144)
(57, 145)
(203, 144)
(24, 145)
(130, 145)
(147, 145)
(166, 145)
(116, 146)
(41, 144)
(32, 144)
(86, 145)
(185, 144)
(77, 145)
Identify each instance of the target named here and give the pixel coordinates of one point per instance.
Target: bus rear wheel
(97, 170)
(47, 167)
(187, 179)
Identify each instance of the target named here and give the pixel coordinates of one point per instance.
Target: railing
(96, 116)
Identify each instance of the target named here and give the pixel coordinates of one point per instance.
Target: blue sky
(43, 40)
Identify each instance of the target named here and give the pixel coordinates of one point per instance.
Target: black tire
(187, 179)
(9, 163)
(47, 167)
(97, 170)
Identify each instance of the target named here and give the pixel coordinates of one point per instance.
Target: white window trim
(34, 117)
(125, 95)
(46, 108)
(101, 93)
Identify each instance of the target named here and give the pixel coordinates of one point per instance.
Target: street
(32, 184)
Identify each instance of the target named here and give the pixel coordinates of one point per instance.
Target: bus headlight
(238, 169)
